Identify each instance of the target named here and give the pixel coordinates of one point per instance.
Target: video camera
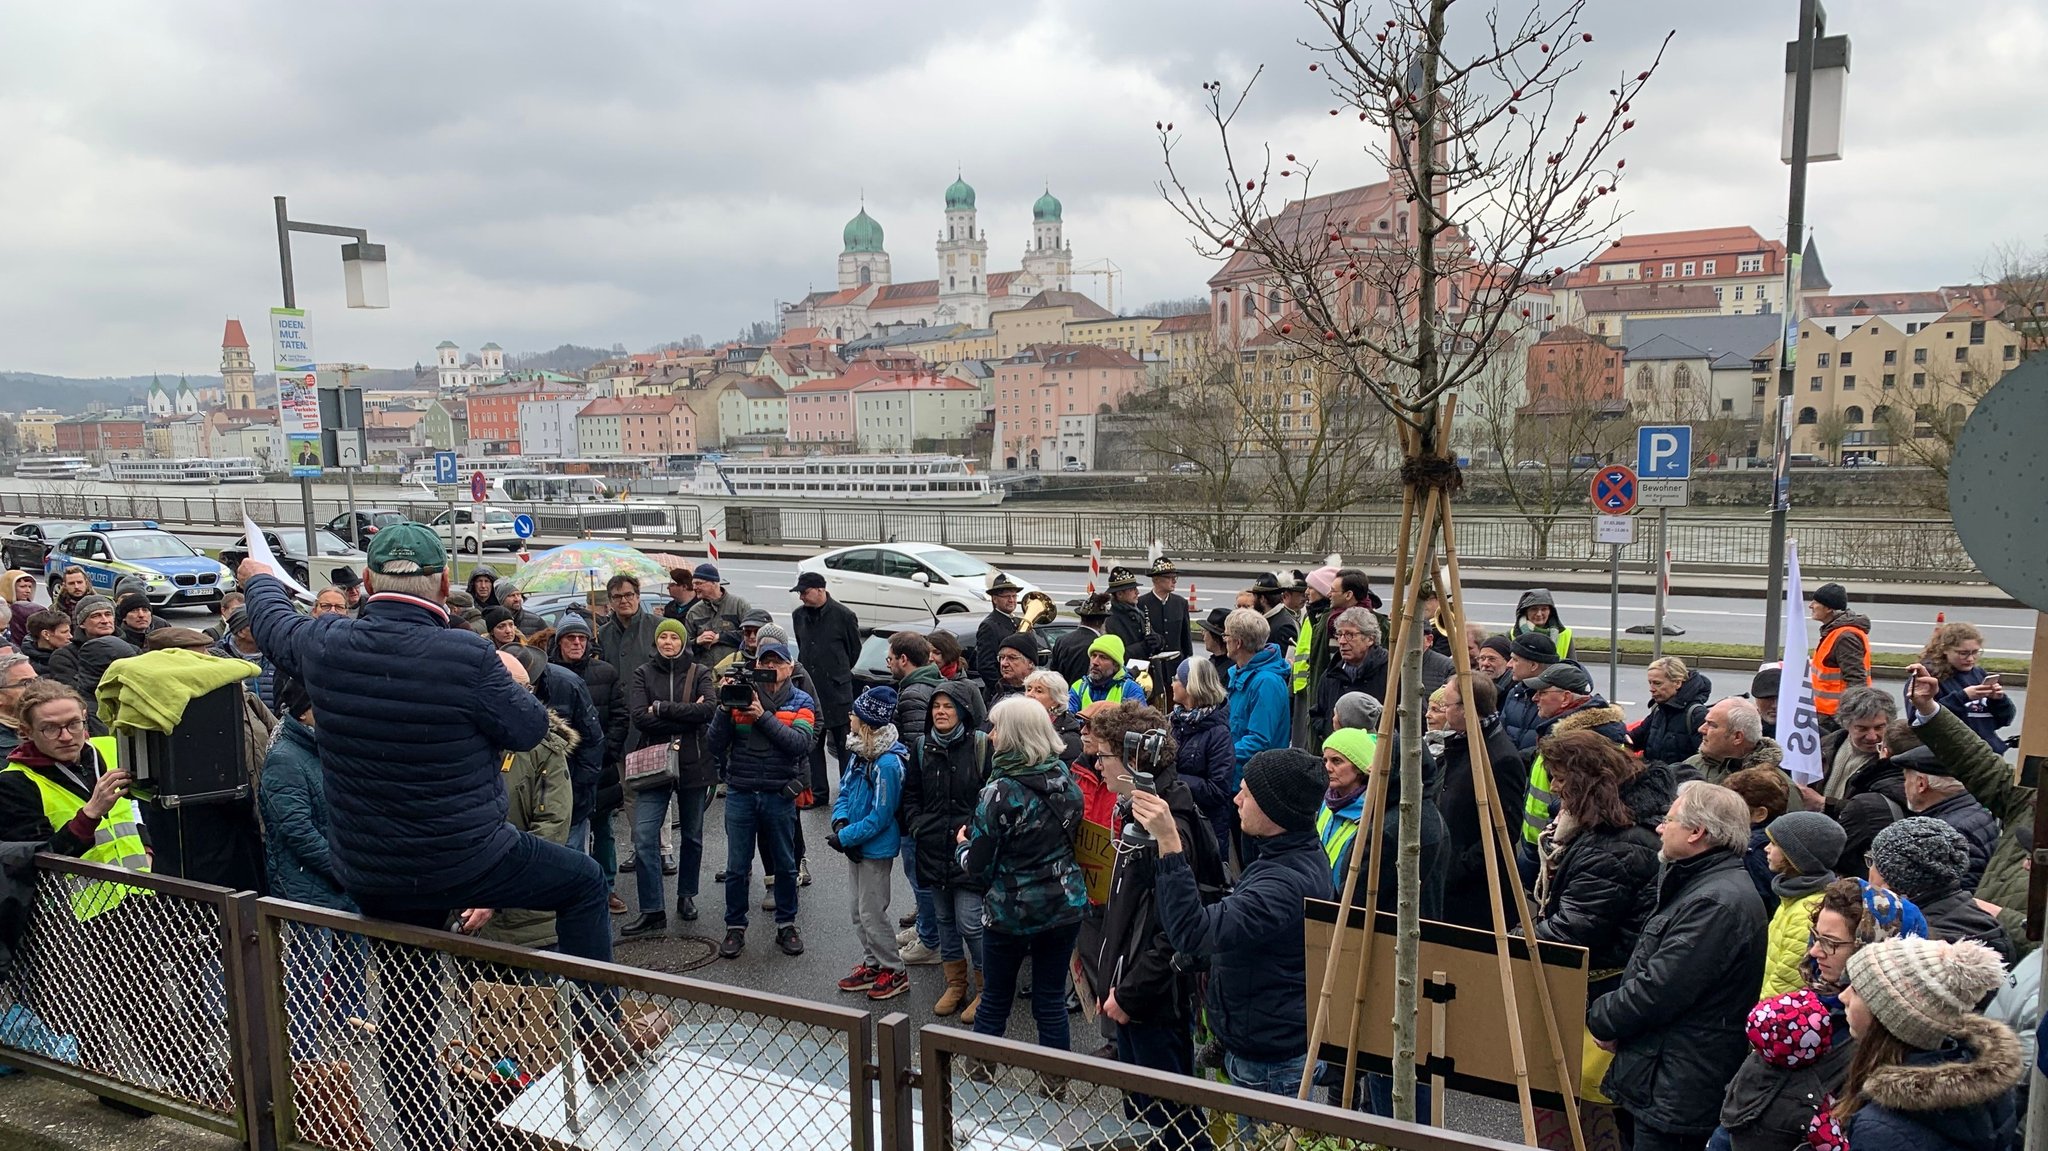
(741, 682)
(1142, 752)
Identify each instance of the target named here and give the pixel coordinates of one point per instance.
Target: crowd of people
(1135, 820)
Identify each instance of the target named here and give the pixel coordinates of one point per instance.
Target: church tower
(963, 261)
(1048, 261)
(863, 262)
(237, 373)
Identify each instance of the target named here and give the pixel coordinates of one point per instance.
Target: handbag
(650, 766)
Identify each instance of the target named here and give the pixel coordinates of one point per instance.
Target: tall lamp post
(1812, 52)
(364, 278)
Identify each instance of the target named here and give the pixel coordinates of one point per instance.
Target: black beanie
(129, 603)
(493, 616)
(1288, 784)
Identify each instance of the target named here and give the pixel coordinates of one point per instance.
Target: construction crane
(1108, 270)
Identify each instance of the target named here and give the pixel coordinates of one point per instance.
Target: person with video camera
(763, 731)
(1146, 987)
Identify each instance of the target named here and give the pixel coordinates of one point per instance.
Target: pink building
(1037, 386)
(822, 411)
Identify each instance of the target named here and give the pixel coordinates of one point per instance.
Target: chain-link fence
(129, 986)
(394, 1038)
(980, 1091)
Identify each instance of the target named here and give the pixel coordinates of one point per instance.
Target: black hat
(1266, 584)
(1022, 642)
(129, 603)
(1766, 683)
(1296, 580)
(1004, 584)
(1534, 646)
(1121, 578)
(1094, 607)
(493, 616)
(1830, 595)
(1163, 567)
(1289, 786)
(532, 659)
(1569, 676)
(1213, 622)
(344, 577)
(809, 580)
(1498, 643)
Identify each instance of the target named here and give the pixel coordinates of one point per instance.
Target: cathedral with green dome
(965, 291)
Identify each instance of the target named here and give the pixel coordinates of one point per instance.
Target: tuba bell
(1036, 608)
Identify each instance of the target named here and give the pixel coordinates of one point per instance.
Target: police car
(171, 572)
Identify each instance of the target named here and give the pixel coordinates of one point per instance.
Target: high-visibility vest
(1538, 805)
(1828, 684)
(117, 840)
(1114, 695)
(1302, 642)
(1336, 834)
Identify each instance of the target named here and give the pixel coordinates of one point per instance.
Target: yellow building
(1868, 383)
(1183, 344)
(37, 428)
(952, 345)
(1132, 334)
(1042, 320)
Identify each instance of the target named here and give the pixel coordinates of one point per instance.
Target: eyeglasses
(53, 730)
(1351, 632)
(330, 609)
(623, 596)
(1972, 652)
(1831, 946)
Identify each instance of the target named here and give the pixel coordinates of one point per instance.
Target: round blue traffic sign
(522, 526)
(1614, 490)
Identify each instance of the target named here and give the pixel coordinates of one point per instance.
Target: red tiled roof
(1191, 322)
(1351, 211)
(908, 383)
(1078, 356)
(1876, 304)
(233, 337)
(897, 295)
(999, 282)
(840, 298)
(635, 406)
(1742, 240)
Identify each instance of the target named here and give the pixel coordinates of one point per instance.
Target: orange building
(1038, 385)
(494, 414)
(1569, 368)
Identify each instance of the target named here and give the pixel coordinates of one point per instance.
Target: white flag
(1798, 722)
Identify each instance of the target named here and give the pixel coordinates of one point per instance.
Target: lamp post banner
(1798, 721)
(298, 392)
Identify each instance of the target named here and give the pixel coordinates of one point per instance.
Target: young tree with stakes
(1495, 177)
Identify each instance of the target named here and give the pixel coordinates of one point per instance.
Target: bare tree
(2019, 274)
(1546, 445)
(1498, 175)
(1830, 428)
(1923, 423)
(1177, 307)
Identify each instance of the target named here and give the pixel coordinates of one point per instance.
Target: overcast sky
(601, 171)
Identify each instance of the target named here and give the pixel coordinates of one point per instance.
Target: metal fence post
(896, 1080)
(249, 1021)
(860, 1073)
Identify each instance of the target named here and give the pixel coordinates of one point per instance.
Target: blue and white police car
(169, 571)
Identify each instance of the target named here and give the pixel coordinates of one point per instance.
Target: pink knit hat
(1323, 579)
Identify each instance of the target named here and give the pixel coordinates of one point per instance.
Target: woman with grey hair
(1669, 734)
(1359, 664)
(1020, 843)
(1046, 687)
(1201, 730)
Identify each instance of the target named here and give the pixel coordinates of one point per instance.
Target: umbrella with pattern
(581, 567)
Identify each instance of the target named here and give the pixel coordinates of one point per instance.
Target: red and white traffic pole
(711, 543)
(1094, 564)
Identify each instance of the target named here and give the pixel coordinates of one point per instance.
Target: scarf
(1190, 715)
(878, 742)
(1550, 847)
(1010, 761)
(950, 738)
(1338, 799)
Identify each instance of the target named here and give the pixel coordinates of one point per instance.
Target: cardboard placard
(1095, 851)
(1478, 1059)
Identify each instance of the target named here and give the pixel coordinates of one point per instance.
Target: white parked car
(902, 580)
(478, 527)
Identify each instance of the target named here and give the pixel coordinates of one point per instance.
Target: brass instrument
(1034, 608)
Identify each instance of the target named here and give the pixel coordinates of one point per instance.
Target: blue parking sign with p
(1664, 452)
(445, 471)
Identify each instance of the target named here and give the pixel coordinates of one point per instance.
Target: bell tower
(237, 371)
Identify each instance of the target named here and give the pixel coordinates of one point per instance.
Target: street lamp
(1830, 55)
(366, 284)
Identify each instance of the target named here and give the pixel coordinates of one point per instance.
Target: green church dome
(863, 234)
(1047, 208)
(959, 195)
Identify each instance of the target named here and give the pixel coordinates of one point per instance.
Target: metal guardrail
(292, 1027)
(1868, 548)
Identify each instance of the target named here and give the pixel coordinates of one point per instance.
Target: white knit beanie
(1921, 989)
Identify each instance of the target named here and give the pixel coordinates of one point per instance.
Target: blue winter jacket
(567, 696)
(294, 800)
(1259, 715)
(1258, 970)
(1984, 716)
(772, 752)
(869, 793)
(415, 721)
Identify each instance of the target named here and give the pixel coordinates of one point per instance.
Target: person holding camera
(864, 828)
(1147, 988)
(763, 732)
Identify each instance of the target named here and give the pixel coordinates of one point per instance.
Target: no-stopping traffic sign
(1614, 490)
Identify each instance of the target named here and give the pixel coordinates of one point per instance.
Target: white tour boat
(924, 480)
(53, 468)
(236, 470)
(187, 471)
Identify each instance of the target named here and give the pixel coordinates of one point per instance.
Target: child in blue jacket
(864, 828)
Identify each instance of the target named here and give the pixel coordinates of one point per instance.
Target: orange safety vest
(1828, 684)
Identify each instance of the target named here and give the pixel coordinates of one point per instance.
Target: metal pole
(1795, 239)
(1614, 624)
(291, 300)
(1657, 622)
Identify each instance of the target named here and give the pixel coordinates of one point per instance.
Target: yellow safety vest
(1537, 803)
(1114, 695)
(1302, 642)
(1336, 834)
(117, 840)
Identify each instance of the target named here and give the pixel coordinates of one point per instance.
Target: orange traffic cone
(1191, 595)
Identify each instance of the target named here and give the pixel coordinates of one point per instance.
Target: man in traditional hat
(351, 585)
(1127, 621)
(1167, 612)
(1070, 654)
(1268, 597)
(1000, 624)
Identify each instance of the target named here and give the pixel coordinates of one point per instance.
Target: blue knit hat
(876, 706)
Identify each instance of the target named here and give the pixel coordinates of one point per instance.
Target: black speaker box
(204, 761)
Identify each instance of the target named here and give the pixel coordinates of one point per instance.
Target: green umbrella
(581, 567)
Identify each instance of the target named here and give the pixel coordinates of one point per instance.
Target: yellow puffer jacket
(1791, 934)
